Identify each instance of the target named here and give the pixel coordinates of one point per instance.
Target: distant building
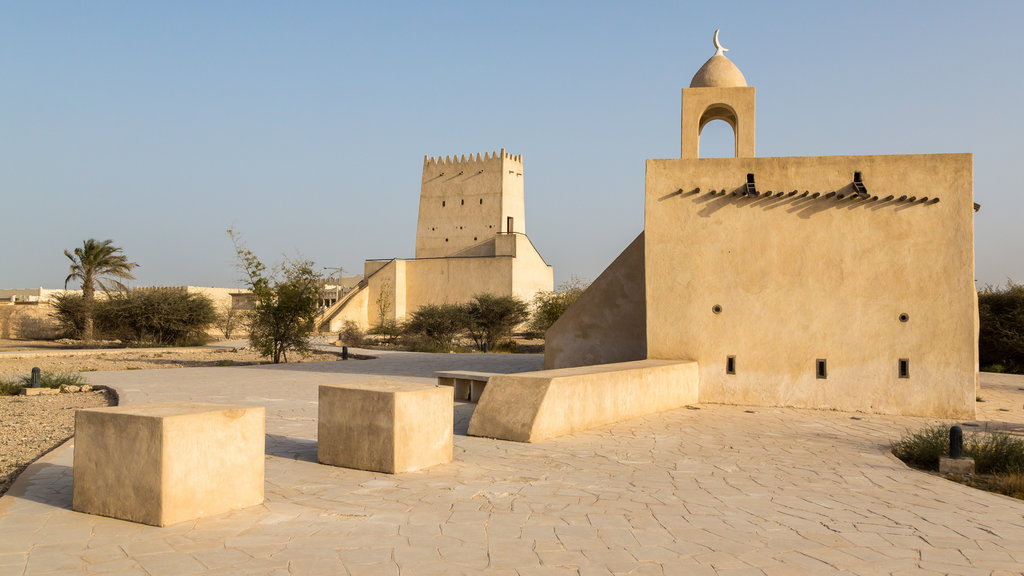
(470, 238)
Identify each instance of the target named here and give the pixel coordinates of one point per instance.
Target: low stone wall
(534, 406)
(30, 321)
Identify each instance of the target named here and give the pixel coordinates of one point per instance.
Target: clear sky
(304, 124)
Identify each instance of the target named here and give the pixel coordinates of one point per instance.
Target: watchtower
(465, 202)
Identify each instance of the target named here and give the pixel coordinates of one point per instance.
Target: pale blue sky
(304, 124)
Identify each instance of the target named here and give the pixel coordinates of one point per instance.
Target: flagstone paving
(716, 490)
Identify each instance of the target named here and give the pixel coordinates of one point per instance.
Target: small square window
(904, 367)
(821, 368)
(730, 365)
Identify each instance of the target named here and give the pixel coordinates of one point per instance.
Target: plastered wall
(801, 279)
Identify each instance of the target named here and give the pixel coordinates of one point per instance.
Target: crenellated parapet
(471, 160)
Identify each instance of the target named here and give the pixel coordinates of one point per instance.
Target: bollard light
(956, 442)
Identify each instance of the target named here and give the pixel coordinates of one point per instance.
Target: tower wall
(467, 201)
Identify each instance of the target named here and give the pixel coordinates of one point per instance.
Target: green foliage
(439, 324)
(996, 452)
(993, 452)
(227, 321)
(12, 386)
(9, 387)
(923, 448)
(282, 319)
(97, 264)
(1001, 338)
(160, 316)
(389, 329)
(549, 305)
(491, 318)
(152, 317)
(384, 301)
(351, 334)
(69, 312)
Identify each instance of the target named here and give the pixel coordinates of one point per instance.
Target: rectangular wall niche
(730, 365)
(821, 368)
(904, 367)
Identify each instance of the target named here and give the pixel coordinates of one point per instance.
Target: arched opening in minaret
(716, 136)
(717, 140)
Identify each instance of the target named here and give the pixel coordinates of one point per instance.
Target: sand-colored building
(836, 282)
(470, 239)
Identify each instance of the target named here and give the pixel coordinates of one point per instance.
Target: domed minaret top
(718, 71)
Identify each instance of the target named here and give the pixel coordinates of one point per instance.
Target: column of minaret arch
(449, 160)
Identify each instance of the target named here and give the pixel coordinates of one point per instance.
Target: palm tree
(97, 264)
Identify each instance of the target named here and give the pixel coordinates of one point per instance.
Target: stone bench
(534, 406)
(384, 426)
(468, 385)
(165, 463)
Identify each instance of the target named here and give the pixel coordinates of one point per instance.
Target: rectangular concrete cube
(165, 463)
(385, 426)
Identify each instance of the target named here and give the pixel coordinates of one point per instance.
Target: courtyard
(708, 489)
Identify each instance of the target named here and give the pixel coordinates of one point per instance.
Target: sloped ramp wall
(535, 406)
(608, 323)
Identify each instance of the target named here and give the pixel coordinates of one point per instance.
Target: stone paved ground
(719, 490)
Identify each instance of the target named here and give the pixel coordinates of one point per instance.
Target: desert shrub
(993, 452)
(228, 320)
(1001, 337)
(923, 448)
(162, 316)
(491, 318)
(12, 385)
(996, 453)
(549, 305)
(351, 334)
(69, 312)
(438, 324)
(388, 330)
(9, 386)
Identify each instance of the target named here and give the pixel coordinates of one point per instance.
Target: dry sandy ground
(24, 359)
(31, 426)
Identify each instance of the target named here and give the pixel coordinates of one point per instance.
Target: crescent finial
(719, 49)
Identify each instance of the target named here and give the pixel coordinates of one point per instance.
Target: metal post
(344, 352)
(956, 442)
(36, 374)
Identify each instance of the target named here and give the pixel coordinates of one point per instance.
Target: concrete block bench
(384, 426)
(165, 463)
(468, 385)
(534, 406)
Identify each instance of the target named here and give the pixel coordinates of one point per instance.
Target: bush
(351, 334)
(389, 329)
(996, 453)
(1001, 337)
(162, 316)
(549, 305)
(69, 312)
(439, 324)
(923, 448)
(993, 452)
(12, 386)
(491, 318)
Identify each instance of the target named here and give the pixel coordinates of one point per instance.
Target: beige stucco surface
(166, 463)
(801, 279)
(464, 201)
(384, 426)
(734, 105)
(607, 323)
(535, 406)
